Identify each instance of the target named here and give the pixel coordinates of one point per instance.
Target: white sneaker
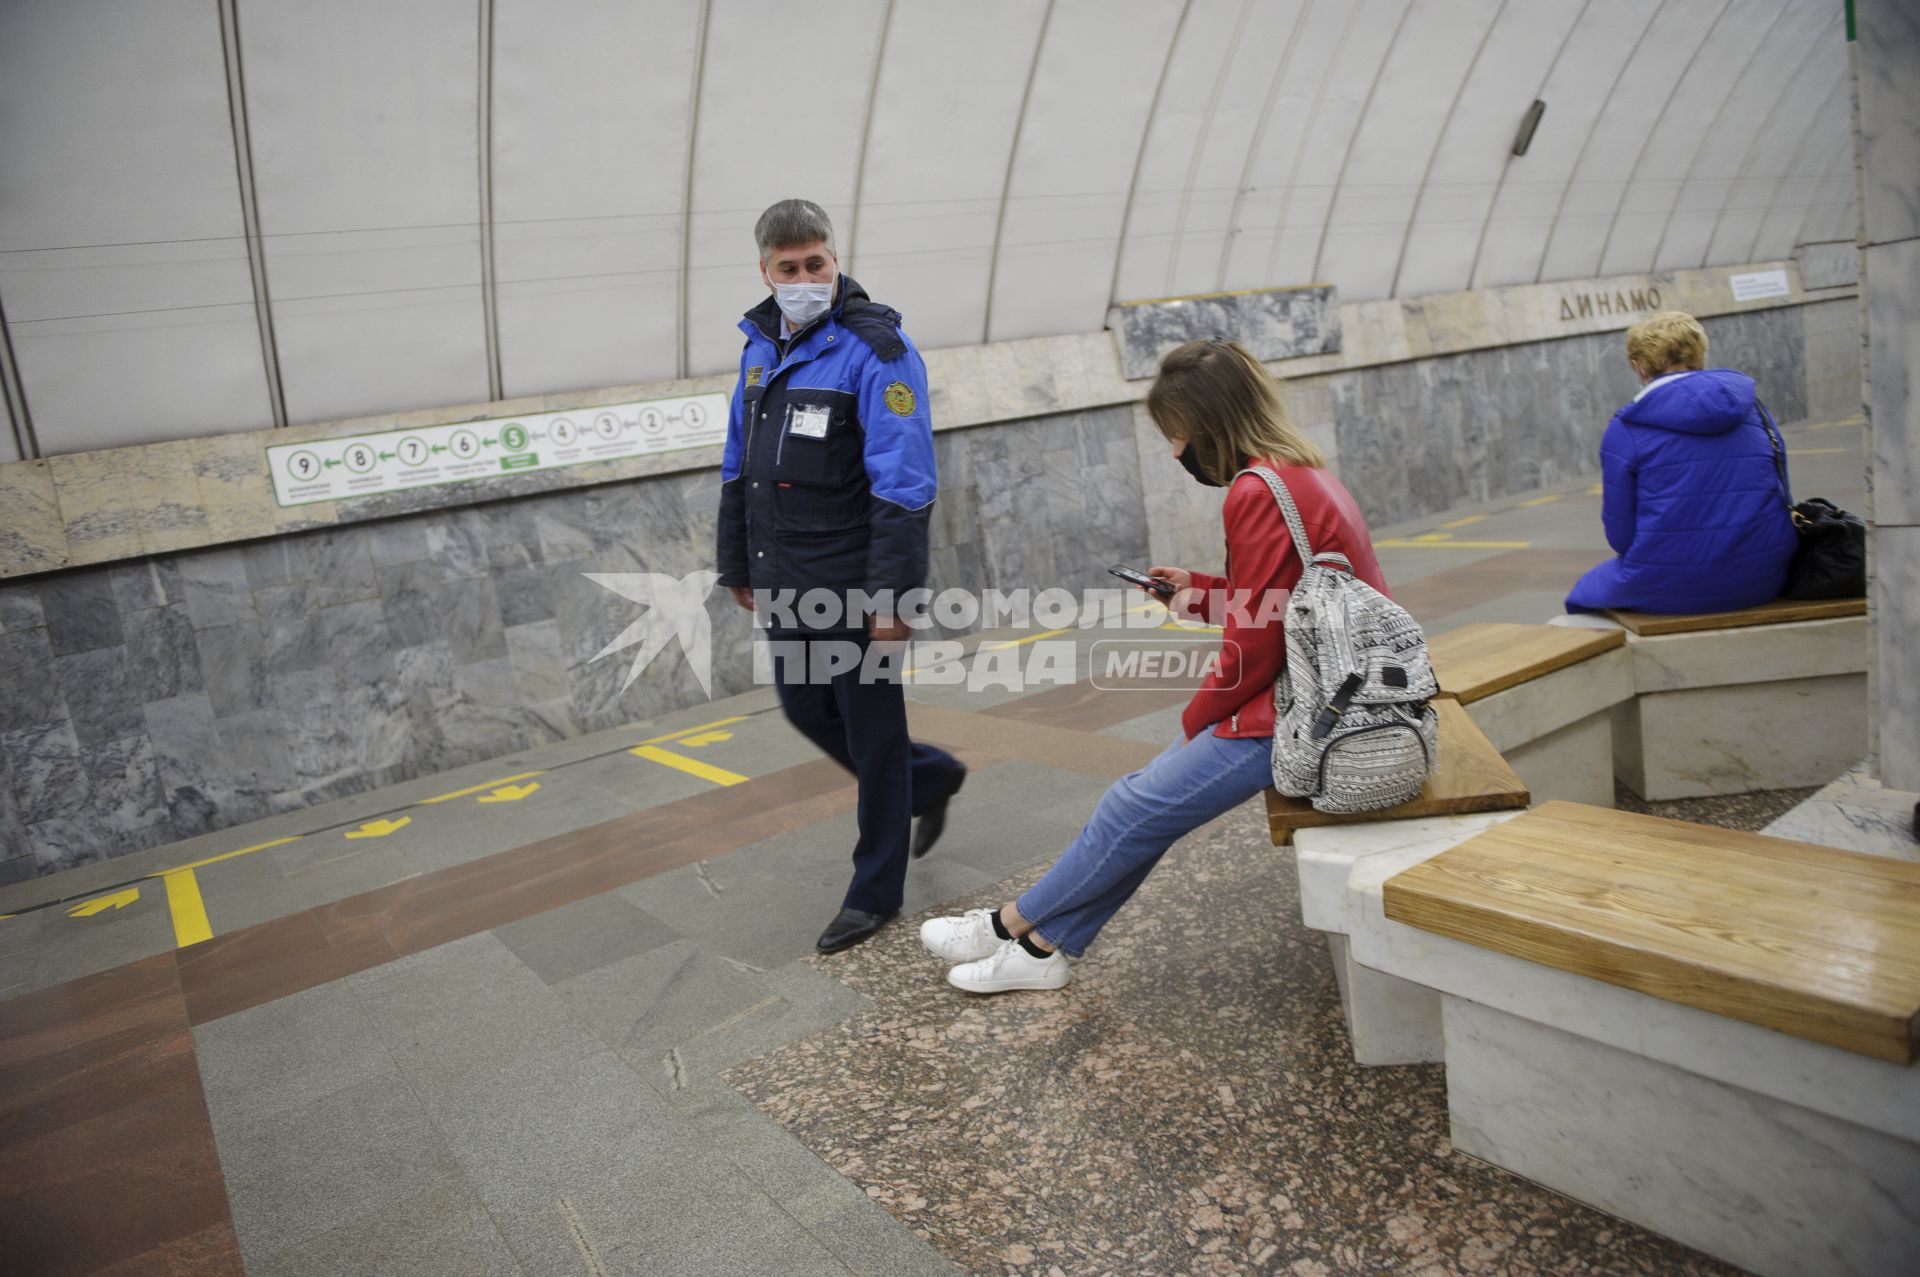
(1011, 967)
(962, 939)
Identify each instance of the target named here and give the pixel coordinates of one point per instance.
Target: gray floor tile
(874, 1244)
(1522, 607)
(297, 1175)
(584, 936)
(287, 1053)
(445, 1232)
(675, 998)
(1156, 727)
(466, 1005)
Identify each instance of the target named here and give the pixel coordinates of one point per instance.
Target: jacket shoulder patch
(900, 398)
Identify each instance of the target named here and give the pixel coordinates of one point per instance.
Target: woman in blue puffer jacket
(1692, 505)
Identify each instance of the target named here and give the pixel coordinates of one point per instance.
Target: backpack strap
(1291, 513)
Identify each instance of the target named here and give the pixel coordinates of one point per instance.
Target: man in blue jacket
(827, 485)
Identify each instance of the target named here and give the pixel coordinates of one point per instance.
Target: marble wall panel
(1893, 321)
(1887, 62)
(1832, 265)
(1896, 601)
(33, 535)
(1272, 323)
(167, 696)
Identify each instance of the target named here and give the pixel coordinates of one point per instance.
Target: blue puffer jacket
(1692, 503)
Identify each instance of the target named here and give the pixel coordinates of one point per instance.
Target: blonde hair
(1218, 398)
(1670, 341)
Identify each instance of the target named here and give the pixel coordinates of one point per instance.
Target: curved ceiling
(222, 216)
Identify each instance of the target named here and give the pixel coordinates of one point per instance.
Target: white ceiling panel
(1476, 145)
(1380, 181)
(1576, 90)
(945, 114)
(1174, 136)
(1334, 116)
(1216, 166)
(123, 260)
(1829, 129)
(1776, 153)
(1674, 140)
(1674, 37)
(1777, 73)
(1078, 144)
(365, 125)
(590, 113)
(782, 109)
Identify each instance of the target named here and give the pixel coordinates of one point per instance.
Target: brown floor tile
(1088, 753)
(1439, 594)
(103, 1191)
(212, 1252)
(1087, 708)
(252, 967)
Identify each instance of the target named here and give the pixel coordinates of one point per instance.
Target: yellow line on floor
(1546, 500)
(1021, 642)
(190, 925)
(214, 860)
(1461, 523)
(1844, 421)
(691, 766)
(1820, 452)
(1399, 543)
(690, 731)
(475, 789)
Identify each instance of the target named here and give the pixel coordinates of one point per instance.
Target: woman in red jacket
(1221, 412)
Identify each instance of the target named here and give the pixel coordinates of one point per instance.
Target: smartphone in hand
(1165, 589)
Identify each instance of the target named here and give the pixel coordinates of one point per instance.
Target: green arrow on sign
(439, 447)
(386, 456)
(332, 463)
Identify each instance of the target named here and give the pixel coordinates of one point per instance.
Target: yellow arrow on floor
(379, 828)
(704, 738)
(100, 904)
(509, 793)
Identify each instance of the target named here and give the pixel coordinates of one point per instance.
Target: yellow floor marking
(705, 738)
(474, 789)
(691, 766)
(1433, 536)
(190, 925)
(1844, 421)
(1597, 489)
(1547, 500)
(1395, 543)
(379, 828)
(100, 904)
(1021, 642)
(214, 860)
(1820, 452)
(1194, 629)
(1461, 523)
(689, 731)
(509, 793)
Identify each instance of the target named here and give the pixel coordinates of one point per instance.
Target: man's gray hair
(792, 224)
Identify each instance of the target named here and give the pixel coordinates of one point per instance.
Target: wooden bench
(1544, 695)
(1390, 1021)
(1710, 1033)
(1771, 697)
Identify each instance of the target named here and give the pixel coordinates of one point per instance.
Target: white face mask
(803, 303)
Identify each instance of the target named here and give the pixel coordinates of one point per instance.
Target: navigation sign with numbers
(395, 460)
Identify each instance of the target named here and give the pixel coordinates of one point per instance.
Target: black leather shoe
(850, 928)
(928, 828)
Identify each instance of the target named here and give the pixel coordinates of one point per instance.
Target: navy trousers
(862, 725)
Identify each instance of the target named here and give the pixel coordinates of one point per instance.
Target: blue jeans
(1136, 820)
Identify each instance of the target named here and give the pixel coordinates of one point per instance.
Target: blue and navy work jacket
(828, 477)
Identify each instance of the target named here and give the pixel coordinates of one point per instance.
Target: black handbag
(1831, 559)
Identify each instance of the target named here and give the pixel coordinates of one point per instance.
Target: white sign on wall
(395, 460)
(1761, 283)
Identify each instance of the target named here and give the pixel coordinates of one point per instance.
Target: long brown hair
(1217, 397)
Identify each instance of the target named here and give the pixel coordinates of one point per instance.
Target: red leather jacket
(1261, 560)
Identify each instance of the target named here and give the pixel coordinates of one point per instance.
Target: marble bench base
(1556, 730)
(1389, 1020)
(1773, 1187)
(1732, 711)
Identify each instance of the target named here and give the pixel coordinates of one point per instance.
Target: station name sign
(1603, 304)
(427, 456)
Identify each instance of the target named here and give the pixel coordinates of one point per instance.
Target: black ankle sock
(1000, 928)
(1026, 942)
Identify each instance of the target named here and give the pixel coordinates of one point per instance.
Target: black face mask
(1192, 466)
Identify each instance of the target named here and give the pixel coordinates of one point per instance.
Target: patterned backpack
(1352, 728)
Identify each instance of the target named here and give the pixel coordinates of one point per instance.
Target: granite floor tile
(288, 1053)
(297, 1175)
(584, 936)
(1189, 1104)
(249, 968)
(444, 1232)
(212, 1252)
(662, 1009)
(466, 1005)
(873, 1243)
